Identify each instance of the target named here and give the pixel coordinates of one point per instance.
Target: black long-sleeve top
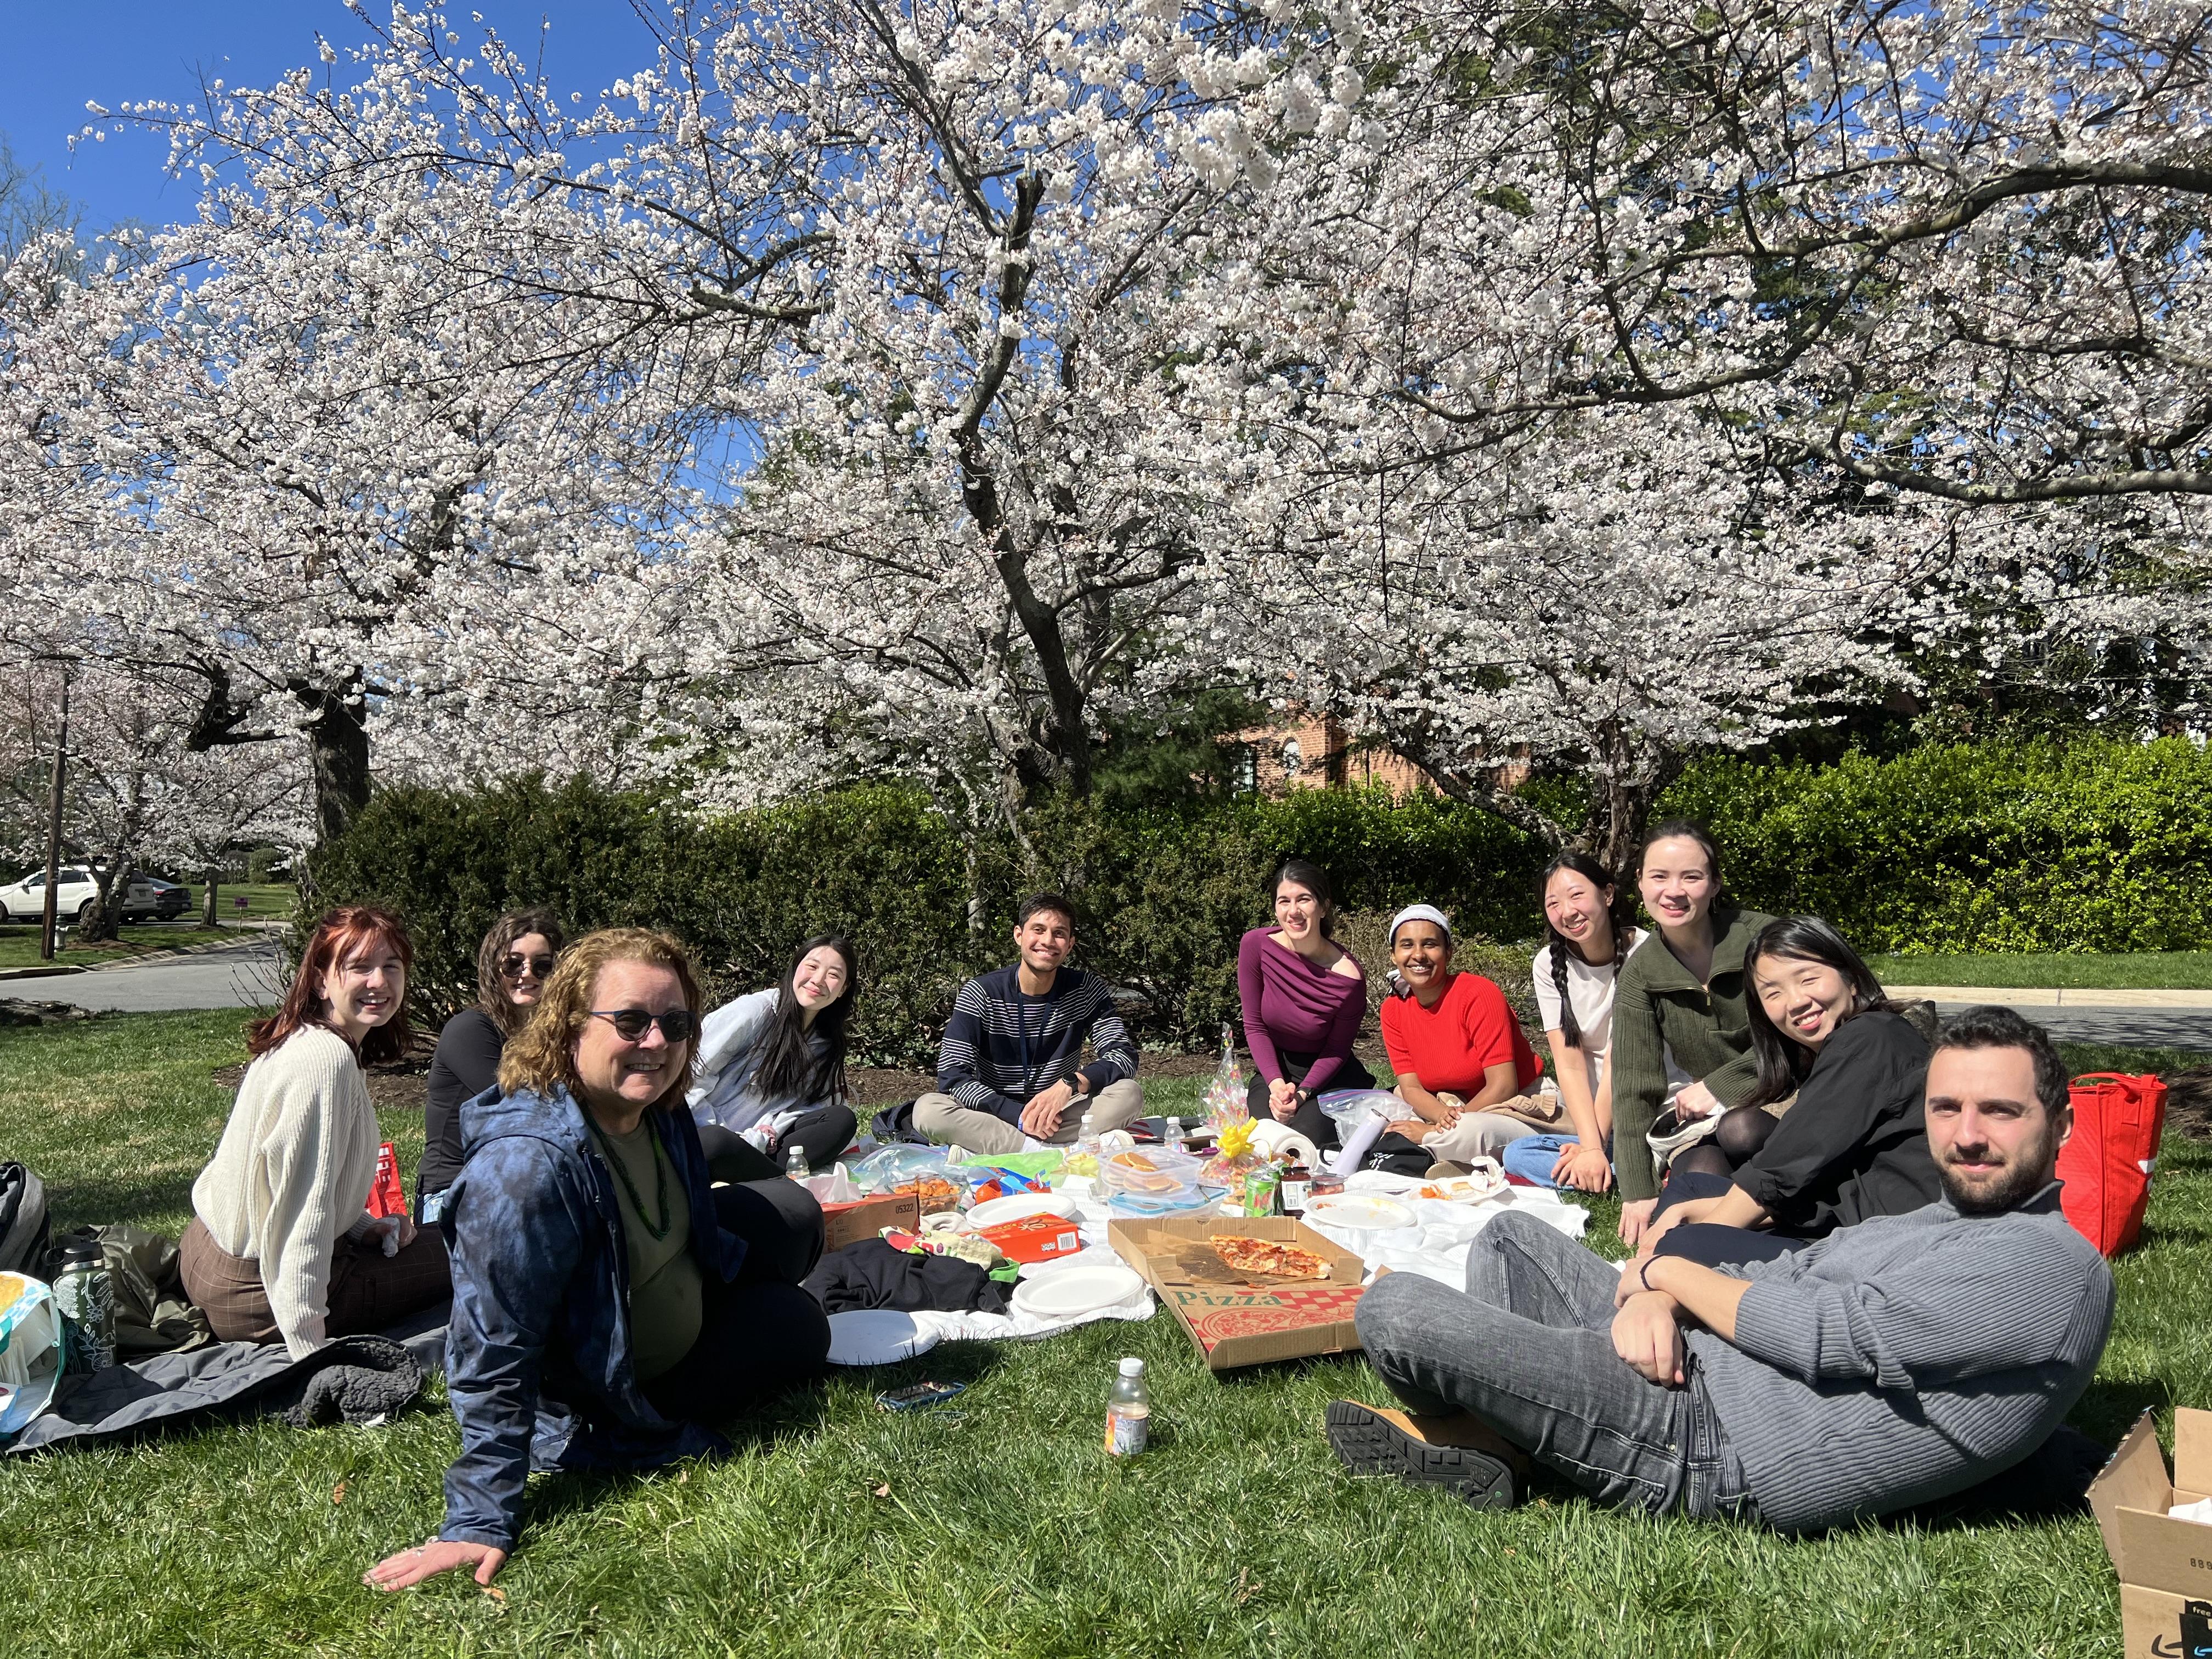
(1855, 1145)
(465, 1065)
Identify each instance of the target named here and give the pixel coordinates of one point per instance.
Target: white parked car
(25, 900)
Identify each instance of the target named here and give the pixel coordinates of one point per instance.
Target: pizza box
(1234, 1320)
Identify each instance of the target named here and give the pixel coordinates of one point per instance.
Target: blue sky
(55, 54)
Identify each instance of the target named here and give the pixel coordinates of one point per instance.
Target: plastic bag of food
(923, 1170)
(1223, 1100)
(1349, 1108)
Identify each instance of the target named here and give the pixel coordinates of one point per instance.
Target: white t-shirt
(1590, 990)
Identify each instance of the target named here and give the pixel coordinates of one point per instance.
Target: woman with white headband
(1458, 1051)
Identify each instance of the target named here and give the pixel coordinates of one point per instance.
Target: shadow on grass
(97, 1201)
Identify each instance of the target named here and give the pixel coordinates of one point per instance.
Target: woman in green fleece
(1680, 1002)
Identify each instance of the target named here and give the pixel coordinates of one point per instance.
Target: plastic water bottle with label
(1128, 1412)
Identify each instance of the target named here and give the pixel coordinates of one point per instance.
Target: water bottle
(1128, 1412)
(1086, 1137)
(1175, 1134)
(795, 1165)
(84, 1294)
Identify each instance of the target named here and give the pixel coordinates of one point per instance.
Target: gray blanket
(221, 1379)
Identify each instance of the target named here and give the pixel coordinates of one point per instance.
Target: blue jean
(1532, 1157)
(1527, 1348)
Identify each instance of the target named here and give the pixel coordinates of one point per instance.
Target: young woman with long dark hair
(1304, 996)
(282, 1247)
(1855, 1143)
(513, 964)
(1575, 970)
(1680, 1009)
(772, 1067)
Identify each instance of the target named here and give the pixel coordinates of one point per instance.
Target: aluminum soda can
(84, 1295)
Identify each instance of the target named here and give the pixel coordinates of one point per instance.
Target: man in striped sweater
(1010, 1070)
(1892, 1363)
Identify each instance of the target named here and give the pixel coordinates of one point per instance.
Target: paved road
(2134, 1028)
(237, 977)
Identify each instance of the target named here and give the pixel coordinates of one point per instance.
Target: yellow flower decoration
(1236, 1140)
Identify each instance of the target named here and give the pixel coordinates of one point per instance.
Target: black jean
(762, 1335)
(821, 1133)
(1706, 1243)
(1309, 1120)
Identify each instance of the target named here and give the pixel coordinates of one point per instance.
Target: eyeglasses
(631, 1024)
(513, 966)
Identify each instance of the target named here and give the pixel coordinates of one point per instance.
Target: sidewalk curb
(2084, 996)
(44, 973)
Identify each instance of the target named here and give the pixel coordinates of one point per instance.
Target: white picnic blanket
(1437, 1247)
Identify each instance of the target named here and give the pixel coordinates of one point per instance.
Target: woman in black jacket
(1855, 1143)
(513, 964)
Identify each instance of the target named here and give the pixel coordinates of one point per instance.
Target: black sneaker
(1374, 1442)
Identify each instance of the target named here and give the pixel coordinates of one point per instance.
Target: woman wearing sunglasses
(513, 964)
(610, 1307)
(771, 1072)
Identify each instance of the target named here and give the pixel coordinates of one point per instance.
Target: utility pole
(54, 830)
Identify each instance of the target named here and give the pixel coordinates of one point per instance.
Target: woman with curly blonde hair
(609, 1305)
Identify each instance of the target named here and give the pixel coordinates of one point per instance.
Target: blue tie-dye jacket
(537, 1362)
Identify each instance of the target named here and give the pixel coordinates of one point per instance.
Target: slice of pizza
(1264, 1258)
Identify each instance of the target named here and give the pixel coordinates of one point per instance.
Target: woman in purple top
(1304, 996)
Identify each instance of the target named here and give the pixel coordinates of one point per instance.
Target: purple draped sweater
(1291, 1004)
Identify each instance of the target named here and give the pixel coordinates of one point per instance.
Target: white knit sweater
(293, 1174)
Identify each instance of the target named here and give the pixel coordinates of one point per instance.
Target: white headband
(1420, 912)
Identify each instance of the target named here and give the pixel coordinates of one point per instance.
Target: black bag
(24, 1227)
(895, 1124)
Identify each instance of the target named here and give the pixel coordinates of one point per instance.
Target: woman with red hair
(282, 1247)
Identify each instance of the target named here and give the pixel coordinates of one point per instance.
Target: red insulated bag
(2107, 1161)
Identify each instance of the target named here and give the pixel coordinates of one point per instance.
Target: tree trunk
(337, 737)
(209, 912)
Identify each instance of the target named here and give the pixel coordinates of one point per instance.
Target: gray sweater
(1905, 1359)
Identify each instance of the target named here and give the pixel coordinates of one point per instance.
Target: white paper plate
(998, 1212)
(1360, 1211)
(1077, 1290)
(875, 1336)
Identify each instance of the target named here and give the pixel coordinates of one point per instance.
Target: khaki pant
(1477, 1135)
(945, 1121)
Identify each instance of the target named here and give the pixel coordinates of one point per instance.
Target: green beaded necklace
(659, 1178)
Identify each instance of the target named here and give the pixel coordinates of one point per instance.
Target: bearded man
(1892, 1363)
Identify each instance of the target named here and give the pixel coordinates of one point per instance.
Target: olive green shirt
(1659, 1011)
(666, 1304)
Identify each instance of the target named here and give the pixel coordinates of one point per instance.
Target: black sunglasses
(632, 1024)
(513, 967)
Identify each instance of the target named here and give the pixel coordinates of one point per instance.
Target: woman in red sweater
(1456, 1047)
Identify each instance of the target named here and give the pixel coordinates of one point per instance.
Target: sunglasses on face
(631, 1024)
(513, 966)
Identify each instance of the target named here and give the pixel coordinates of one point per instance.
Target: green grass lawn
(19, 944)
(2059, 970)
(266, 901)
(997, 1528)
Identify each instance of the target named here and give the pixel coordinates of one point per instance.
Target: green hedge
(1163, 894)
(2094, 846)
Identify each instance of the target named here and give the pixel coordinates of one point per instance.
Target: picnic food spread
(1246, 1254)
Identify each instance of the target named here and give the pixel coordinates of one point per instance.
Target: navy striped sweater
(1001, 1047)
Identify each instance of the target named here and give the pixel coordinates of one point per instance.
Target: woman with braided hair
(1586, 941)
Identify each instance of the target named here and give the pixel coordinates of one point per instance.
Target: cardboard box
(1035, 1238)
(864, 1217)
(1238, 1321)
(2164, 1565)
